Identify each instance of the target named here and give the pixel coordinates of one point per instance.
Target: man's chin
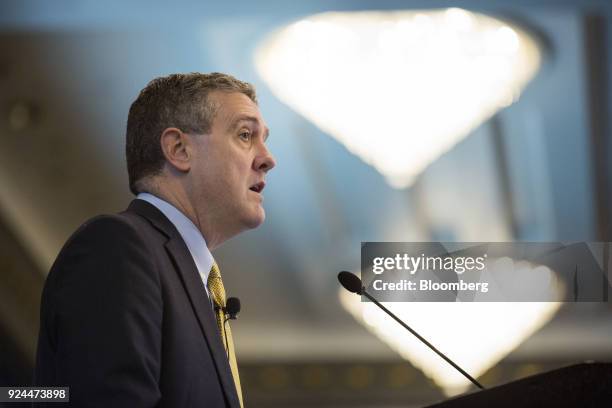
(256, 220)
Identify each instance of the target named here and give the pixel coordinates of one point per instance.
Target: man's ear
(176, 149)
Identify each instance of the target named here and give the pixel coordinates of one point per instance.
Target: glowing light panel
(398, 89)
(475, 335)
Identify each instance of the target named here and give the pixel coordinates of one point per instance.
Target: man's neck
(182, 203)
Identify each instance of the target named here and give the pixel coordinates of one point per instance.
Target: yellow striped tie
(217, 291)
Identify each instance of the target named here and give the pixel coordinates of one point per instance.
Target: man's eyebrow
(242, 118)
(247, 118)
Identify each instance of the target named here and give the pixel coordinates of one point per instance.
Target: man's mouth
(258, 187)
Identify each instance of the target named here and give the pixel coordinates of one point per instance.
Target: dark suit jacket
(126, 321)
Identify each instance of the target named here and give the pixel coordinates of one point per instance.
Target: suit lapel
(183, 261)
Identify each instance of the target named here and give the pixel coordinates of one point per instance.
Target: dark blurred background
(538, 170)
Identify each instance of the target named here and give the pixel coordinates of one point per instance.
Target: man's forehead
(233, 106)
(236, 107)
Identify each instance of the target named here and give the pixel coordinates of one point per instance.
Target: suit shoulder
(108, 224)
(111, 229)
(104, 240)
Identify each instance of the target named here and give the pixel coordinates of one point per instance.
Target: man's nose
(264, 161)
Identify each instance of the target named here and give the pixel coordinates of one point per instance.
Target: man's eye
(246, 136)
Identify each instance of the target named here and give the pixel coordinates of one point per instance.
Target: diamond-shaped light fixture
(398, 89)
(476, 335)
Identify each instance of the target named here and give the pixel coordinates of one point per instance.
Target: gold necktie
(217, 292)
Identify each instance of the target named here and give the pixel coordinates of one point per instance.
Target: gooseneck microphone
(353, 284)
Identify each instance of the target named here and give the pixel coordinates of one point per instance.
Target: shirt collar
(189, 232)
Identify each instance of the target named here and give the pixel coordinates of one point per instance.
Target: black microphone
(232, 307)
(231, 310)
(353, 284)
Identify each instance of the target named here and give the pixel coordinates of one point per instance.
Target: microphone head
(232, 307)
(351, 282)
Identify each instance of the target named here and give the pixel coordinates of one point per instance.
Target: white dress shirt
(189, 232)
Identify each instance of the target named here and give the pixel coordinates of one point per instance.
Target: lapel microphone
(232, 308)
(353, 284)
(230, 311)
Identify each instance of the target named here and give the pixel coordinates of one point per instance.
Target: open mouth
(258, 187)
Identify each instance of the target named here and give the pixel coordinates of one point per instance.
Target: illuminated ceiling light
(398, 89)
(474, 335)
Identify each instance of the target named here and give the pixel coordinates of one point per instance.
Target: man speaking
(133, 309)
